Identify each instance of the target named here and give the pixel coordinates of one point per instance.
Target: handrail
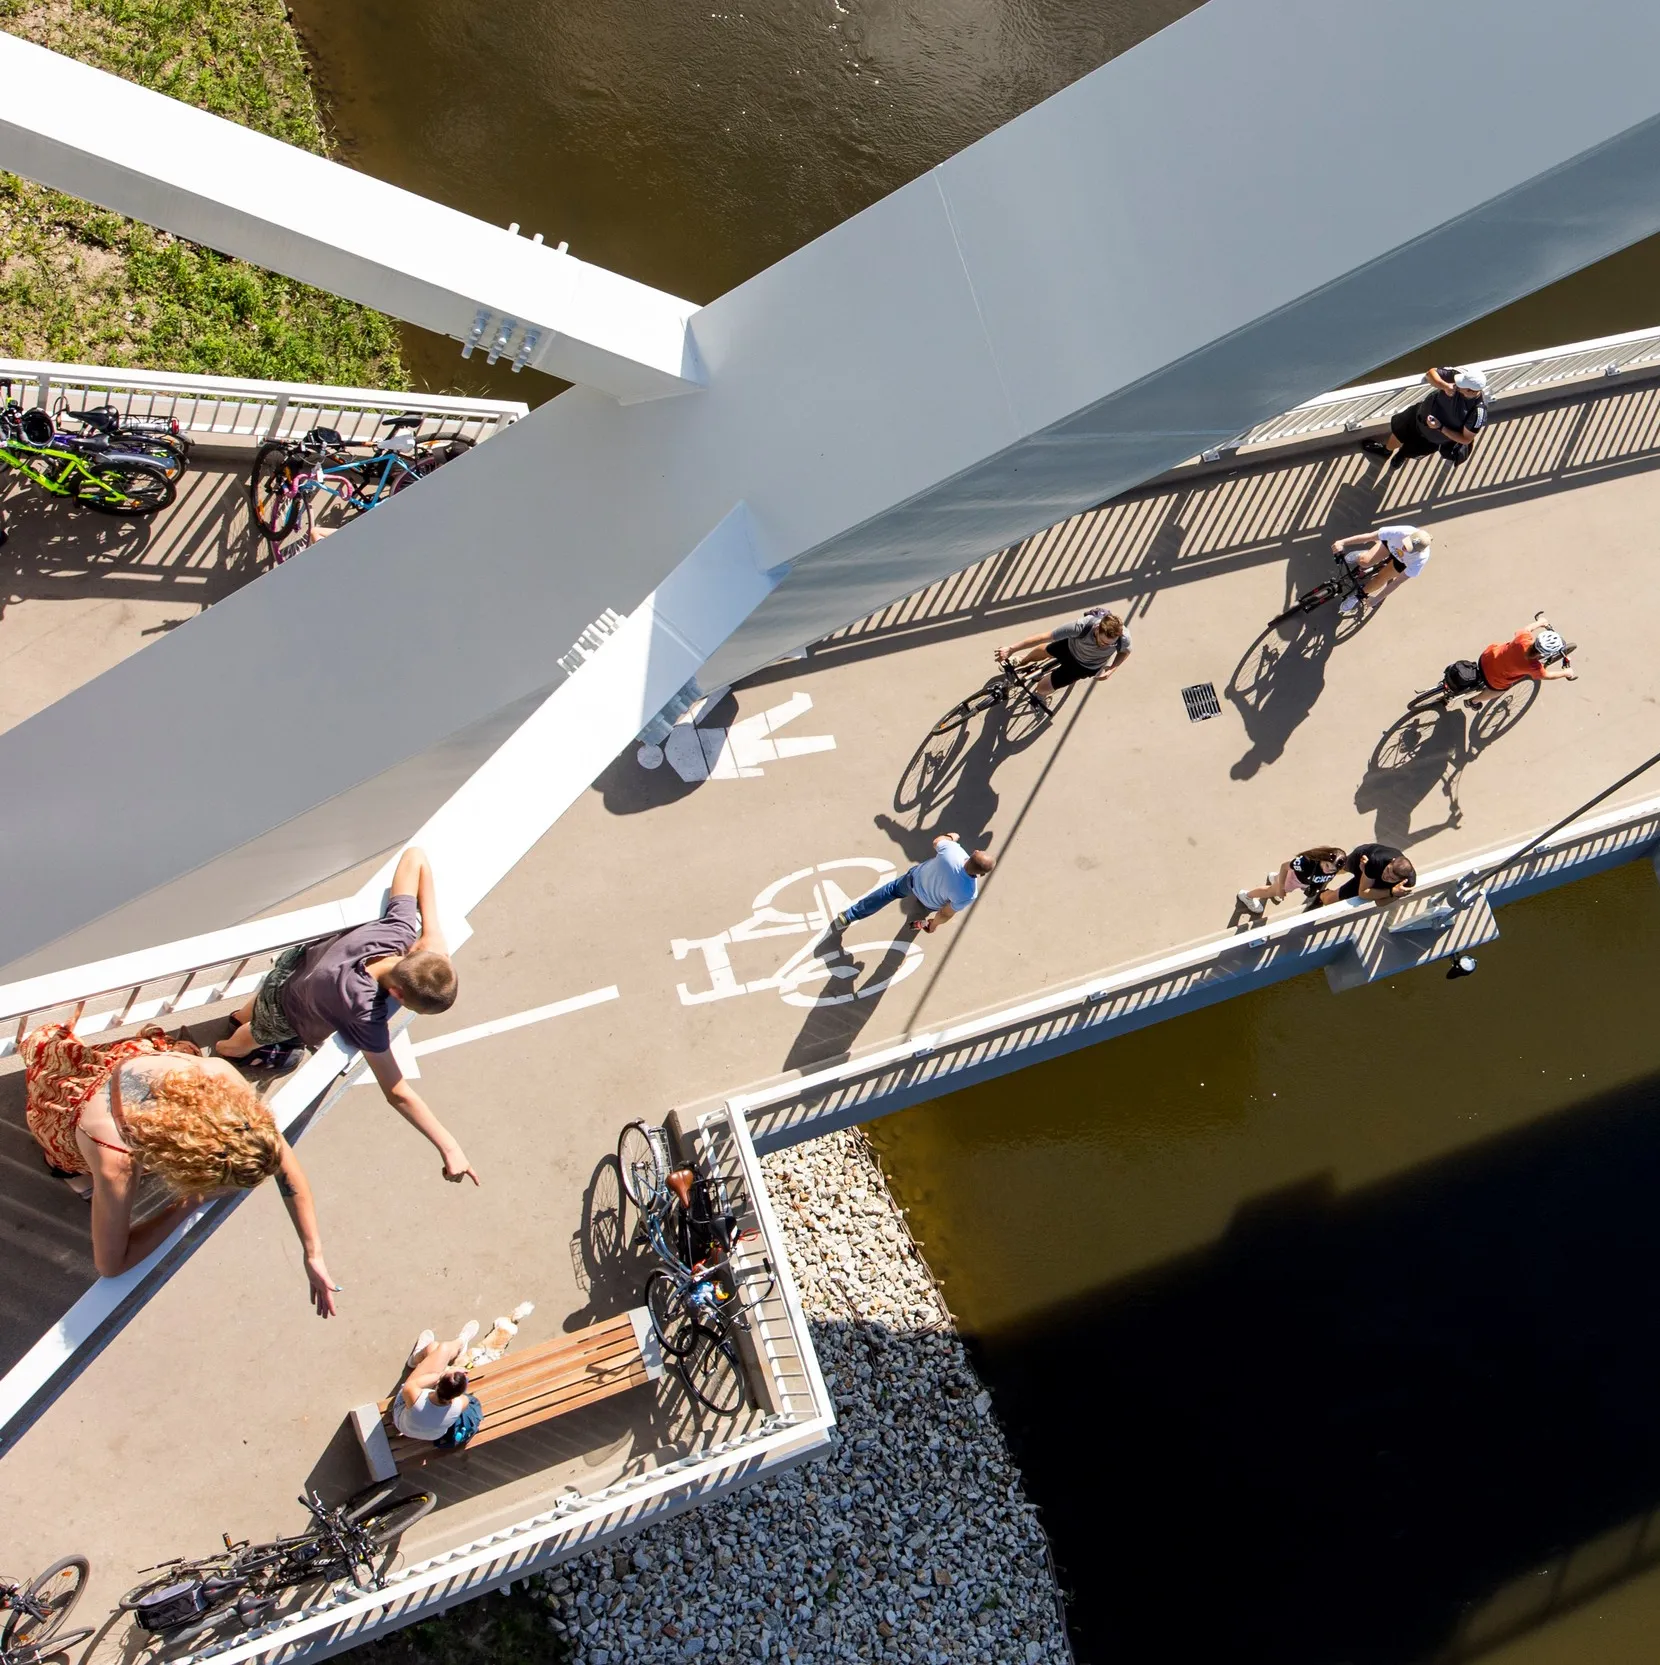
(782, 1435)
(1335, 921)
(225, 406)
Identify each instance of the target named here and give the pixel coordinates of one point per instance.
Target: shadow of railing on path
(1127, 551)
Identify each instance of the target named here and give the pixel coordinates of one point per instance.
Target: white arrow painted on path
(738, 752)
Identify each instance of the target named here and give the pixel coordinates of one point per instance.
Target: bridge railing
(1349, 409)
(229, 407)
(794, 1422)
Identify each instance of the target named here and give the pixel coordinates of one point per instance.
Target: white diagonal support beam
(199, 176)
(1168, 251)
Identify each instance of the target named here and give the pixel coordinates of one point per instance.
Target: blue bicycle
(358, 475)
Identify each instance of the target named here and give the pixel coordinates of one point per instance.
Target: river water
(1322, 1325)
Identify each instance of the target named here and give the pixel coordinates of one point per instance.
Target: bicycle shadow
(1276, 685)
(835, 1021)
(1426, 751)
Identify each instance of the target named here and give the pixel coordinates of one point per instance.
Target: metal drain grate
(1201, 702)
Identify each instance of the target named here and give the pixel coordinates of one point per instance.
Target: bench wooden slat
(561, 1374)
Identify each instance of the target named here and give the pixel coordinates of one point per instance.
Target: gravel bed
(913, 1541)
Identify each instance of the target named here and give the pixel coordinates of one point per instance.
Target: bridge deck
(1123, 829)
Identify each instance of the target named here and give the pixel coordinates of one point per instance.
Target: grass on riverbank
(81, 284)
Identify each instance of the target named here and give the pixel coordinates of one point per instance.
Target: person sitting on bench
(433, 1403)
(351, 984)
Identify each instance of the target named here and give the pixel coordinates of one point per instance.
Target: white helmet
(1472, 381)
(1548, 644)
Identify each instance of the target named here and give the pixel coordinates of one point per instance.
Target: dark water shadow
(1382, 1426)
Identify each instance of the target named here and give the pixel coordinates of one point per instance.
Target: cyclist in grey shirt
(1095, 645)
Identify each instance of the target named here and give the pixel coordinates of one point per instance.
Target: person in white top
(433, 1402)
(1384, 558)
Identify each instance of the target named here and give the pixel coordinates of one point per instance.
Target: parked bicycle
(93, 471)
(35, 1612)
(157, 437)
(182, 1600)
(696, 1298)
(1343, 583)
(358, 475)
(1013, 687)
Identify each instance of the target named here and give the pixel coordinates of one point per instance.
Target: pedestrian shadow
(1426, 751)
(855, 988)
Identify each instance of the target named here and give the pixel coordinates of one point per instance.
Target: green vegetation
(80, 284)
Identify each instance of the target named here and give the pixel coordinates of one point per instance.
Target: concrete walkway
(1123, 830)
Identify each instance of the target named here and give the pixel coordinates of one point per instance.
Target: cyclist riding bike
(1385, 558)
(1095, 646)
(1539, 654)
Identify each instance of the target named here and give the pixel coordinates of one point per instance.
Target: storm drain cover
(1201, 702)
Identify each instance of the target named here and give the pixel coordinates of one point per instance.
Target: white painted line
(500, 1026)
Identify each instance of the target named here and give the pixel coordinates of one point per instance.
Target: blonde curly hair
(201, 1131)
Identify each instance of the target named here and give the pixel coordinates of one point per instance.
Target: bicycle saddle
(404, 421)
(680, 1181)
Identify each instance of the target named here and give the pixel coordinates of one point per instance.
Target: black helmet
(37, 426)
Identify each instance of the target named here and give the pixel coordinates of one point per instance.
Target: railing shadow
(1127, 551)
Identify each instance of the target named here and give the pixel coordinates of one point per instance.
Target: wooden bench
(523, 1388)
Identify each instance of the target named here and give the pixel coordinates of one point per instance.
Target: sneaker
(1251, 904)
(468, 1331)
(840, 923)
(1398, 460)
(423, 1341)
(1349, 603)
(1374, 448)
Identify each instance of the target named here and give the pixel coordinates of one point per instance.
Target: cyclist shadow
(1426, 751)
(1275, 686)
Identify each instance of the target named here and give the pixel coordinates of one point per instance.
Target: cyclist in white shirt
(1384, 557)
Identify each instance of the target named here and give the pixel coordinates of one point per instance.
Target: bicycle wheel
(163, 450)
(641, 1164)
(53, 1593)
(382, 1523)
(1322, 592)
(271, 494)
(126, 488)
(712, 1373)
(1026, 717)
(666, 1302)
(1427, 698)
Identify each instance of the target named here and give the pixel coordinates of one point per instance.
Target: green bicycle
(91, 471)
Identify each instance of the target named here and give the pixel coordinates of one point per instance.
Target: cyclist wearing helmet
(1386, 557)
(1539, 654)
(1447, 420)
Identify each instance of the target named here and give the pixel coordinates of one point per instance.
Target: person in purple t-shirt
(351, 984)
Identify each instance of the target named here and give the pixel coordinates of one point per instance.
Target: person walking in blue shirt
(945, 884)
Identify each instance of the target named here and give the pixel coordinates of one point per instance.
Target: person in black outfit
(1377, 873)
(1447, 420)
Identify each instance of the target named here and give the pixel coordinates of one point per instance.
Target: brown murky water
(1323, 1324)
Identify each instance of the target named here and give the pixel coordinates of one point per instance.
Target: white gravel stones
(913, 1541)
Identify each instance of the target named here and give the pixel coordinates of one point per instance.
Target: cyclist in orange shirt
(1539, 654)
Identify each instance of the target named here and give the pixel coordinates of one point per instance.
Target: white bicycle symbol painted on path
(796, 978)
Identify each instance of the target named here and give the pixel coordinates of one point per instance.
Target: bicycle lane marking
(810, 962)
(496, 1026)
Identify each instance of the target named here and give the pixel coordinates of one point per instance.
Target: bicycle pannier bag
(175, 1605)
(1462, 675)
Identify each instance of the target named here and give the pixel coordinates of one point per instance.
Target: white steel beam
(194, 174)
(1179, 245)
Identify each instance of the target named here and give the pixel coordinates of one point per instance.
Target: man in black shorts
(1376, 873)
(1095, 645)
(1447, 419)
